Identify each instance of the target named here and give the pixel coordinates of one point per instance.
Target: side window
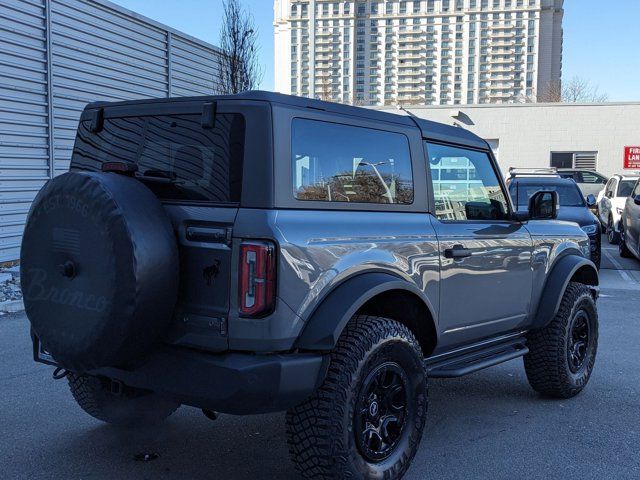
(637, 190)
(465, 185)
(342, 163)
(588, 177)
(609, 189)
(570, 176)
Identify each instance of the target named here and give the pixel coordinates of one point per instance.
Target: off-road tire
(547, 364)
(321, 432)
(623, 250)
(129, 408)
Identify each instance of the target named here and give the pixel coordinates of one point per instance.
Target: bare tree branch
(239, 66)
(576, 90)
(580, 90)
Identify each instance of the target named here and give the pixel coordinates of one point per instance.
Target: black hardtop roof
(430, 129)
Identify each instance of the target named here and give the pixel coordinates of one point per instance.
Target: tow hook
(59, 373)
(210, 414)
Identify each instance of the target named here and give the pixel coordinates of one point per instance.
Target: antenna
(400, 107)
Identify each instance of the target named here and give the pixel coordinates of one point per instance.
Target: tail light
(257, 279)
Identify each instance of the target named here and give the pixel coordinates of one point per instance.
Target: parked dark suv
(261, 252)
(572, 206)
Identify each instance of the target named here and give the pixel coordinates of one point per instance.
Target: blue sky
(601, 44)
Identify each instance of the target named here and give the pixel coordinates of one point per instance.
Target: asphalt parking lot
(487, 425)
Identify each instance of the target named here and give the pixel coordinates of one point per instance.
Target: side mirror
(591, 200)
(543, 205)
(636, 199)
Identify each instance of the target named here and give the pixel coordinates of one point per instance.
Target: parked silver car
(590, 182)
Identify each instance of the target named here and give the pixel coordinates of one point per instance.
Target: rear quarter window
(175, 156)
(341, 163)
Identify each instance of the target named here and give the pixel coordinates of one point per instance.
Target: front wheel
(613, 236)
(124, 406)
(623, 250)
(367, 418)
(562, 354)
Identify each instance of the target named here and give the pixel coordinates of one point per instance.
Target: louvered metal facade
(58, 55)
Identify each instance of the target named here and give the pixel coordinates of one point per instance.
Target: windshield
(625, 188)
(569, 195)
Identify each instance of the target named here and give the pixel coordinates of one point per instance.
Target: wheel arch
(570, 268)
(376, 293)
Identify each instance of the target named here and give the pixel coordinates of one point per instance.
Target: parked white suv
(611, 203)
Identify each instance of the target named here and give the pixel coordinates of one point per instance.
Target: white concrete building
(592, 136)
(384, 52)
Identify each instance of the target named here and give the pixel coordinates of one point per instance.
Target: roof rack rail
(533, 172)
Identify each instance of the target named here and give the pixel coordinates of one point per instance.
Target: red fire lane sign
(632, 157)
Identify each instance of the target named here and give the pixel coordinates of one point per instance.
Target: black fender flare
(324, 326)
(558, 279)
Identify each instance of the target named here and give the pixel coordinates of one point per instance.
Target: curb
(12, 306)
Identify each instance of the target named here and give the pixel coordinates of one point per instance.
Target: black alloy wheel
(578, 341)
(381, 412)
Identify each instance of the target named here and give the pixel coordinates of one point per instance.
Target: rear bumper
(235, 383)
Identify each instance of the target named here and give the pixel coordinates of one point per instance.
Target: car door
(604, 207)
(632, 220)
(485, 256)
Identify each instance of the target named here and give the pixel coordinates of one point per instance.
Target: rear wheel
(367, 418)
(613, 236)
(118, 405)
(562, 354)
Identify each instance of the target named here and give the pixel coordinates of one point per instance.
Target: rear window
(342, 163)
(625, 188)
(176, 157)
(569, 195)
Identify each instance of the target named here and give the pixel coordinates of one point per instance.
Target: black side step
(472, 359)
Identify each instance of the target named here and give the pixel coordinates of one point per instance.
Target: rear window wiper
(161, 176)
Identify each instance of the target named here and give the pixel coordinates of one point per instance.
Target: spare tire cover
(99, 269)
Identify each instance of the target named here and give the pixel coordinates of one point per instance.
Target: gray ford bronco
(261, 252)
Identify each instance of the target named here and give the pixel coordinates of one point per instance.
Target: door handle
(208, 234)
(457, 251)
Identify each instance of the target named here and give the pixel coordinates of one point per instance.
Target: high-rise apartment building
(376, 52)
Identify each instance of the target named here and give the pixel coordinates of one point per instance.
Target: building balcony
(408, 69)
(501, 34)
(410, 89)
(502, 96)
(503, 27)
(410, 31)
(411, 55)
(325, 57)
(411, 98)
(411, 74)
(501, 86)
(497, 60)
(411, 80)
(502, 68)
(413, 39)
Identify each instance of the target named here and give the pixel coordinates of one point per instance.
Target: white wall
(528, 133)
(58, 55)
